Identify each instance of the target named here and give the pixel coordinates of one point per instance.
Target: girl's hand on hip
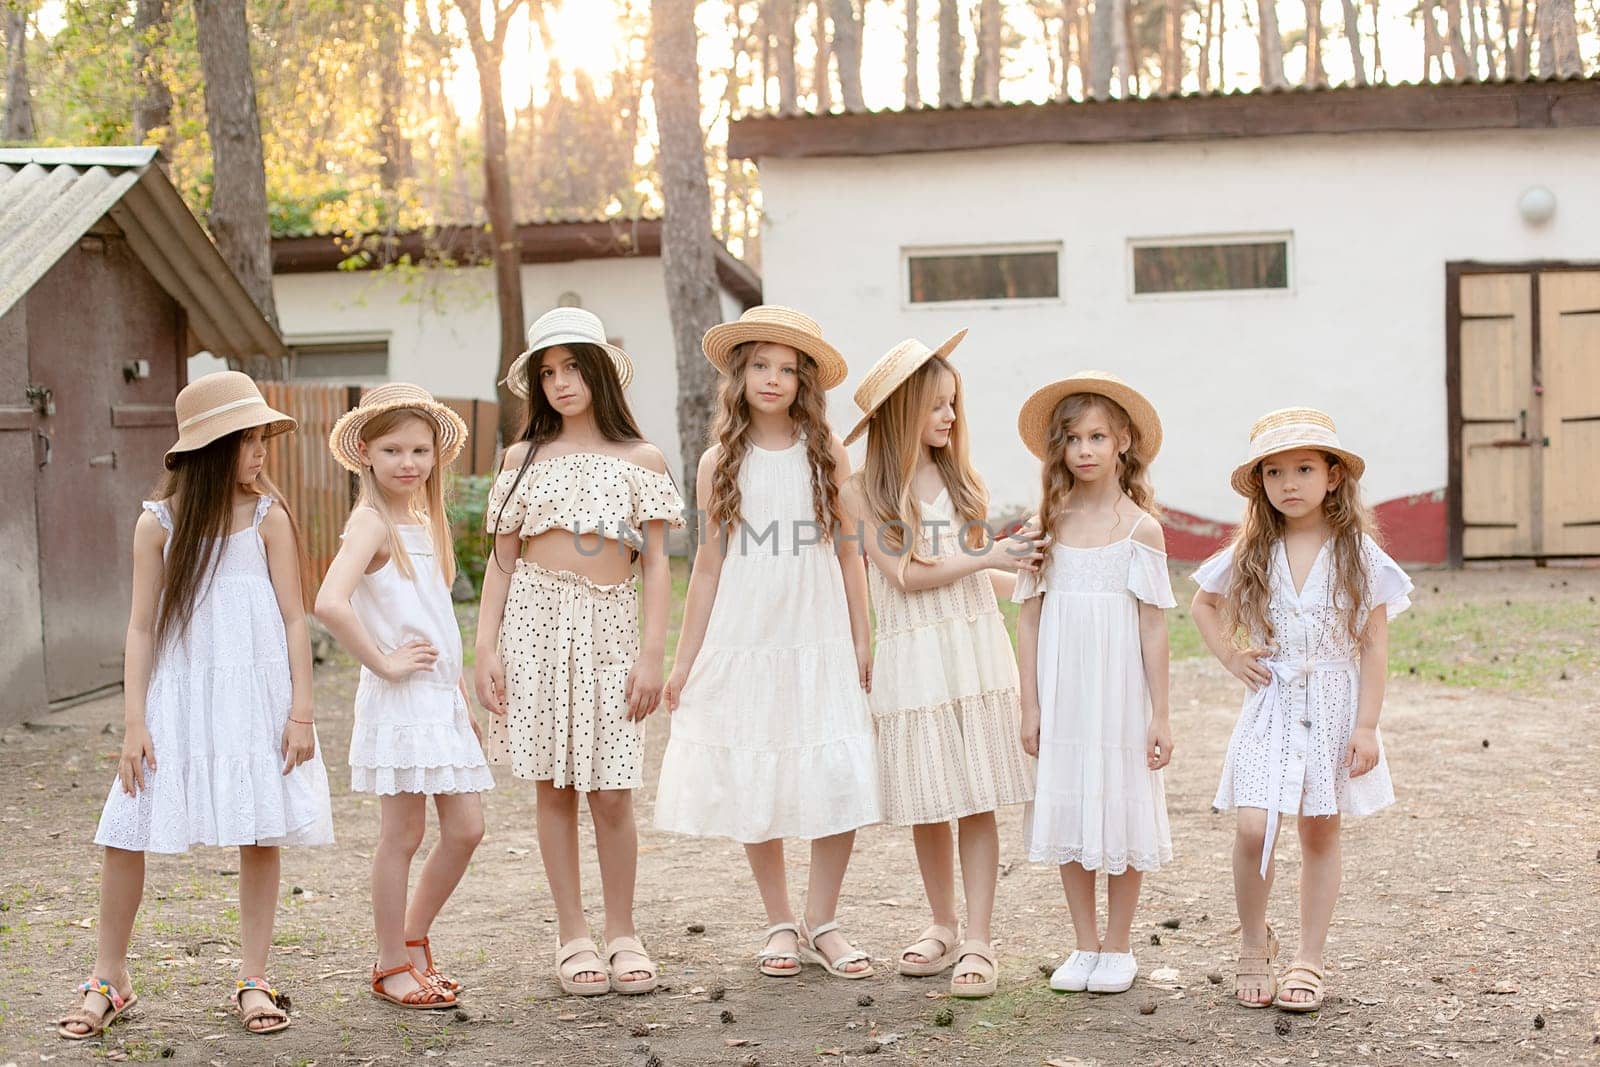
(299, 744)
(1158, 745)
(489, 679)
(1030, 727)
(643, 691)
(1362, 753)
(137, 752)
(1245, 665)
(413, 656)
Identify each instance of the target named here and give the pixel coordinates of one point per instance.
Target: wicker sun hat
(890, 373)
(345, 440)
(1033, 423)
(565, 326)
(218, 404)
(778, 325)
(1286, 431)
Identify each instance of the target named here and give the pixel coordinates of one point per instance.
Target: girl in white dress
(771, 737)
(1092, 639)
(945, 702)
(1307, 586)
(386, 598)
(219, 747)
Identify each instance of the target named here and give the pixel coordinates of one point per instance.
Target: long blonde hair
(894, 445)
(427, 500)
(1250, 590)
(1133, 468)
(731, 431)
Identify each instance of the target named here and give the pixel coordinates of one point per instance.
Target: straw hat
(1287, 430)
(781, 326)
(1033, 423)
(345, 440)
(565, 326)
(890, 373)
(218, 404)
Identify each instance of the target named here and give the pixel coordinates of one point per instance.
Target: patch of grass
(1525, 645)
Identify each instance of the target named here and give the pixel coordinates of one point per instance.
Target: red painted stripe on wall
(1413, 530)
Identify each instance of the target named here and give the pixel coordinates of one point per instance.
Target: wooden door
(1496, 402)
(1569, 364)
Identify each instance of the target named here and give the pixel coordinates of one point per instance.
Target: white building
(1423, 262)
(437, 325)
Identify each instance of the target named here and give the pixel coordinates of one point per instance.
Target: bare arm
(364, 540)
(1242, 664)
(1010, 554)
(644, 681)
(703, 581)
(1155, 651)
(489, 676)
(138, 650)
(1362, 755)
(283, 564)
(1028, 669)
(854, 569)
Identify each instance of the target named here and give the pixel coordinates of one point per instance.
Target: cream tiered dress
(772, 737)
(945, 702)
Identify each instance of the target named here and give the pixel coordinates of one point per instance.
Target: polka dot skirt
(568, 645)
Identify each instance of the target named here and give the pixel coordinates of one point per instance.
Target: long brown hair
(612, 416)
(1133, 469)
(1250, 590)
(427, 500)
(199, 491)
(894, 445)
(732, 432)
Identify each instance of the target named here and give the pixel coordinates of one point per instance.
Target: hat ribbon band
(218, 410)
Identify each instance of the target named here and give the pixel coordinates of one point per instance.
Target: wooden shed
(107, 285)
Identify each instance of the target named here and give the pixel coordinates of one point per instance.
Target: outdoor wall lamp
(1536, 205)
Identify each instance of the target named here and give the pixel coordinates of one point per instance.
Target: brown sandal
(278, 1008)
(1257, 967)
(438, 977)
(116, 1005)
(426, 997)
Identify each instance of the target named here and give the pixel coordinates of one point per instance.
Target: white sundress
(772, 737)
(1287, 751)
(216, 708)
(1097, 803)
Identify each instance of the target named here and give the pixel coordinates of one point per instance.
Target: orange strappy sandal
(438, 977)
(426, 997)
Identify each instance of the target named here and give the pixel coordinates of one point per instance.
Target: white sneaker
(1073, 976)
(1114, 973)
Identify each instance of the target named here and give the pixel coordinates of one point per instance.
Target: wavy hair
(1133, 469)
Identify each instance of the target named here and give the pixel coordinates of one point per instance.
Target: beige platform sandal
(945, 938)
(767, 955)
(835, 967)
(629, 986)
(568, 969)
(975, 957)
(1304, 978)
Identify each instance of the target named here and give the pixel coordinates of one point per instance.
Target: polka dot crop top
(585, 492)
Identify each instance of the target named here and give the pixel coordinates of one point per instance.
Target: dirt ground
(1467, 930)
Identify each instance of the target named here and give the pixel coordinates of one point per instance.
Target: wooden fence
(319, 491)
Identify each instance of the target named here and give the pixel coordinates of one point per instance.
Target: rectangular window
(357, 360)
(940, 276)
(1210, 266)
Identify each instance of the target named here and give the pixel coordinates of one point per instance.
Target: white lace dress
(1097, 802)
(216, 709)
(1287, 750)
(772, 737)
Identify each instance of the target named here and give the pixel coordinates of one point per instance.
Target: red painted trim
(1414, 530)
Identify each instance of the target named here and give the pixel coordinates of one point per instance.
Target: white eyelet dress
(414, 735)
(1287, 751)
(216, 708)
(945, 702)
(1097, 804)
(772, 737)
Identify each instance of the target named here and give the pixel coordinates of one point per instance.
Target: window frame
(295, 342)
(1191, 240)
(910, 252)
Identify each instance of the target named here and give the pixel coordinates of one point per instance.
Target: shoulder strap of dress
(1143, 515)
(263, 505)
(158, 508)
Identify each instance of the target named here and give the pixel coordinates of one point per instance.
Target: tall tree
(488, 41)
(238, 217)
(1171, 46)
(19, 97)
(1379, 75)
(913, 85)
(1102, 49)
(821, 84)
(1271, 42)
(1432, 49)
(687, 254)
(1352, 36)
(1462, 65)
(1491, 60)
(847, 33)
(1558, 18)
(1314, 73)
(781, 15)
(949, 53)
(394, 150)
(152, 100)
(986, 65)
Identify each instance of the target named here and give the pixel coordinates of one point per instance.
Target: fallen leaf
(1164, 974)
(735, 1042)
(1505, 988)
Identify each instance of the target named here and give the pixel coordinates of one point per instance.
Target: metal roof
(51, 197)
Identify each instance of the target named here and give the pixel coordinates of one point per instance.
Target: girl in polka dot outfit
(1308, 587)
(1092, 641)
(560, 663)
(771, 737)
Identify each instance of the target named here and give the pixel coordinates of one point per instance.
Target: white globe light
(1537, 205)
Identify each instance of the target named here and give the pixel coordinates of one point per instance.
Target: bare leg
(258, 910)
(617, 841)
(1250, 892)
(1122, 900)
(980, 869)
(936, 860)
(558, 847)
(1319, 890)
(1078, 884)
(829, 858)
(121, 890)
(766, 864)
(460, 830)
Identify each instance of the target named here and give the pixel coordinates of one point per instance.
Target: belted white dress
(1287, 751)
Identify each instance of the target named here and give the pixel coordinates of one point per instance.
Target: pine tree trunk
(1430, 42)
(1125, 43)
(1171, 46)
(1314, 75)
(1069, 22)
(152, 100)
(847, 29)
(784, 14)
(19, 98)
(1558, 39)
(913, 83)
(1205, 48)
(687, 255)
(1271, 43)
(949, 53)
(1101, 49)
(1352, 34)
(1491, 60)
(1462, 65)
(1378, 73)
(238, 217)
(986, 74)
(821, 83)
(394, 150)
(1524, 41)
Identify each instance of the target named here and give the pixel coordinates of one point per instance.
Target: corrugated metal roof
(51, 197)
